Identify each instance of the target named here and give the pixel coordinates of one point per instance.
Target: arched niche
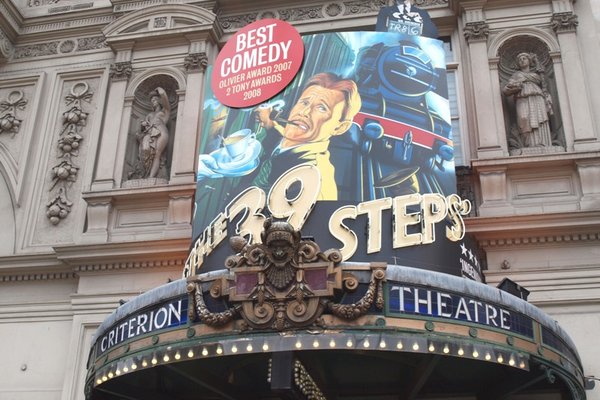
(145, 131)
(508, 68)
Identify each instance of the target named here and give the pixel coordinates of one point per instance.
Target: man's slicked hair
(328, 80)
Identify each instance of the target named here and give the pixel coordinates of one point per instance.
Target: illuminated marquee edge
(371, 332)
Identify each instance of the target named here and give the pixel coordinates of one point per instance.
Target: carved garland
(283, 283)
(65, 172)
(9, 123)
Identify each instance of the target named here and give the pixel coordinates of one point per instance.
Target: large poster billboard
(356, 152)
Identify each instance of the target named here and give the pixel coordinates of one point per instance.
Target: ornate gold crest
(285, 282)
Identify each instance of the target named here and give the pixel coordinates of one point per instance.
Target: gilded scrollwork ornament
(66, 171)
(284, 282)
(9, 123)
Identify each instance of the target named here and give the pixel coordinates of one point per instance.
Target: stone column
(491, 142)
(120, 72)
(188, 121)
(564, 22)
(565, 110)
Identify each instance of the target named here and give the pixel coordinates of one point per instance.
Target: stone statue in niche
(152, 138)
(532, 102)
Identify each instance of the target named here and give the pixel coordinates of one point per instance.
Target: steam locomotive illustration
(404, 141)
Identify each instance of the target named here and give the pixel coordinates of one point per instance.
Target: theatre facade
(309, 200)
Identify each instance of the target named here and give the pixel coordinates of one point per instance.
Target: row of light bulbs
(486, 353)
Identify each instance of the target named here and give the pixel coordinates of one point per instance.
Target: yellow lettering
(341, 232)
(402, 220)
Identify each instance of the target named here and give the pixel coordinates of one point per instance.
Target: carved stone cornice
(42, 276)
(540, 239)
(573, 228)
(120, 256)
(564, 22)
(113, 266)
(121, 71)
(196, 61)
(476, 31)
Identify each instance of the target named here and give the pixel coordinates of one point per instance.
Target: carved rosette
(196, 61)
(283, 283)
(9, 123)
(476, 31)
(65, 172)
(564, 22)
(120, 71)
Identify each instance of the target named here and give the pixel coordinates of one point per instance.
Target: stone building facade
(83, 231)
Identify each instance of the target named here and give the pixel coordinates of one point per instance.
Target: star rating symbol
(463, 249)
(470, 255)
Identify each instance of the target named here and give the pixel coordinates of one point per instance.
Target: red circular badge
(258, 62)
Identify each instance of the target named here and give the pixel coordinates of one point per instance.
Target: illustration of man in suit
(325, 109)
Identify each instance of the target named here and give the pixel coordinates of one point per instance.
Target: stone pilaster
(564, 22)
(120, 72)
(491, 142)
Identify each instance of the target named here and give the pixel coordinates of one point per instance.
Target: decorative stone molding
(120, 71)
(430, 3)
(37, 3)
(540, 239)
(121, 6)
(67, 46)
(91, 43)
(9, 123)
(67, 8)
(234, 22)
(37, 50)
(65, 173)
(175, 262)
(564, 22)
(56, 47)
(476, 31)
(68, 24)
(301, 14)
(47, 276)
(196, 61)
(6, 48)
(330, 10)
